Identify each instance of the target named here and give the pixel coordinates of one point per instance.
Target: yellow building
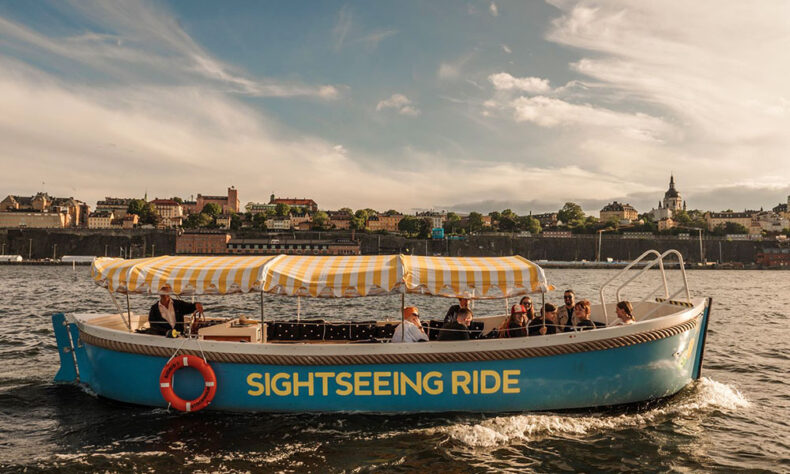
(618, 212)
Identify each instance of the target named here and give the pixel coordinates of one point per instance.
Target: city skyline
(476, 106)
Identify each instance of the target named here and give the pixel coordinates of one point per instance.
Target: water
(736, 417)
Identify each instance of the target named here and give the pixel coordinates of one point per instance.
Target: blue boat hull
(629, 374)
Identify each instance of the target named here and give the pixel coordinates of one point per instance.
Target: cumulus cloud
(400, 103)
(505, 82)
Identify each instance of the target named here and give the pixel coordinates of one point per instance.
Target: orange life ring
(166, 383)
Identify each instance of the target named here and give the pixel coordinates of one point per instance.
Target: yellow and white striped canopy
(473, 277)
(324, 276)
(184, 275)
(333, 276)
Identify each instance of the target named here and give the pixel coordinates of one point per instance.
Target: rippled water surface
(736, 417)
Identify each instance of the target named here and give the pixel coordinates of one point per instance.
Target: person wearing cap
(410, 330)
(166, 316)
(463, 302)
(516, 324)
(457, 330)
(546, 323)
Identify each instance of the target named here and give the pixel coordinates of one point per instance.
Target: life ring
(166, 383)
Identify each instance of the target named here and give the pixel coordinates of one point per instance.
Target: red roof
(295, 202)
(164, 202)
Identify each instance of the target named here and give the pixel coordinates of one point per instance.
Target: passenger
(166, 316)
(463, 302)
(457, 330)
(526, 302)
(581, 315)
(516, 324)
(565, 313)
(412, 330)
(625, 314)
(546, 323)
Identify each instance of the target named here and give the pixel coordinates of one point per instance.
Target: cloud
(342, 27)
(505, 82)
(142, 44)
(493, 10)
(506, 48)
(450, 70)
(400, 103)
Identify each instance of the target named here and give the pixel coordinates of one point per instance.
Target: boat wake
(705, 396)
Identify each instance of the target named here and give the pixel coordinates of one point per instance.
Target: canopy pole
(543, 306)
(507, 307)
(298, 308)
(118, 307)
(128, 312)
(263, 319)
(402, 317)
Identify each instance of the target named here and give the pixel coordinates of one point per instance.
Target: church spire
(671, 181)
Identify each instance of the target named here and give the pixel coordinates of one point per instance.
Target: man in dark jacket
(457, 330)
(167, 314)
(454, 309)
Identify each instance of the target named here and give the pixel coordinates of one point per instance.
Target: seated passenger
(453, 311)
(625, 314)
(516, 324)
(526, 302)
(546, 323)
(166, 316)
(581, 315)
(457, 330)
(410, 330)
(565, 312)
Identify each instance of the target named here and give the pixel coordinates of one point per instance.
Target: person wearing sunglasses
(410, 330)
(565, 313)
(526, 302)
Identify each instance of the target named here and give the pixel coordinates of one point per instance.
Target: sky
(404, 105)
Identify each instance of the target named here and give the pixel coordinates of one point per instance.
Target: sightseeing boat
(275, 364)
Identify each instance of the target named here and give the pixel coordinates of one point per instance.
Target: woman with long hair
(516, 324)
(625, 314)
(581, 315)
(526, 302)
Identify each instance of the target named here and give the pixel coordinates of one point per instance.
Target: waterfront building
(300, 221)
(259, 207)
(75, 211)
(774, 257)
(170, 212)
(618, 212)
(293, 247)
(339, 220)
(129, 221)
(117, 206)
(712, 219)
(202, 242)
(229, 204)
(671, 204)
(278, 224)
(437, 218)
(547, 219)
(783, 209)
(297, 204)
(101, 219)
(557, 234)
(666, 224)
(32, 220)
(384, 222)
(223, 221)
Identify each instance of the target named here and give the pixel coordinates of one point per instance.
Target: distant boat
(278, 365)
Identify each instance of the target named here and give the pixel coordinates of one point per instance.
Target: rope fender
(166, 383)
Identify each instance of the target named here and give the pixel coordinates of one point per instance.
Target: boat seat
(285, 331)
(476, 329)
(337, 332)
(312, 329)
(361, 331)
(434, 327)
(385, 331)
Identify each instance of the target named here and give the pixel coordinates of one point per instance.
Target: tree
(360, 220)
(282, 210)
(195, 221)
(507, 223)
(211, 209)
(475, 222)
(235, 221)
(729, 228)
(320, 220)
(570, 213)
(259, 221)
(425, 228)
(391, 212)
(409, 225)
(529, 224)
(346, 210)
(177, 199)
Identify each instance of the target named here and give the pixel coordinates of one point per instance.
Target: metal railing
(659, 259)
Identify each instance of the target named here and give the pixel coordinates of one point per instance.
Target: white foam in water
(707, 395)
